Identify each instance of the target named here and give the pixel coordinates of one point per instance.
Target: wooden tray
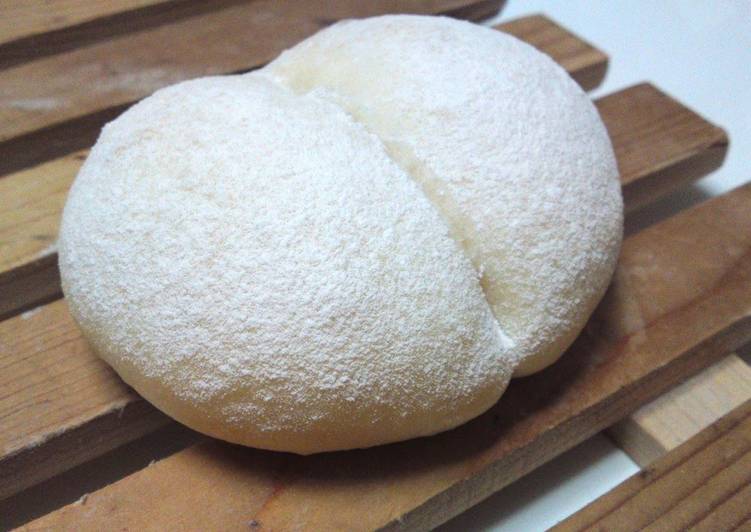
(680, 301)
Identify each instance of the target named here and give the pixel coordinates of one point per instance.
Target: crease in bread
(503, 142)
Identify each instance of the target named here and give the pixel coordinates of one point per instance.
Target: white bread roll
(355, 245)
(254, 264)
(504, 143)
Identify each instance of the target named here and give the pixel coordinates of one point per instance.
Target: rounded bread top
(504, 143)
(253, 263)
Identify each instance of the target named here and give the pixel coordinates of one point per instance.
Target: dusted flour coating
(358, 244)
(254, 264)
(505, 144)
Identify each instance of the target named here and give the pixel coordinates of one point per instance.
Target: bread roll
(355, 245)
(506, 146)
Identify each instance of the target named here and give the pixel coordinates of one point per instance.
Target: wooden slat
(59, 404)
(635, 116)
(687, 147)
(705, 484)
(69, 24)
(25, 18)
(33, 201)
(33, 32)
(692, 267)
(676, 416)
(56, 105)
(586, 64)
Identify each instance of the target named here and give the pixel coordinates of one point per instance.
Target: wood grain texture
(680, 299)
(678, 415)
(32, 204)
(59, 404)
(705, 484)
(29, 285)
(687, 146)
(33, 201)
(586, 64)
(24, 18)
(635, 117)
(70, 24)
(54, 106)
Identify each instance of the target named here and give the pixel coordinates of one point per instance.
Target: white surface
(700, 53)
(551, 492)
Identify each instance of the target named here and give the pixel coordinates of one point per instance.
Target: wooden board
(688, 147)
(25, 18)
(639, 118)
(676, 416)
(55, 105)
(705, 484)
(60, 405)
(681, 298)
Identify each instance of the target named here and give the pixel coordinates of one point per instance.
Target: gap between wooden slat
(94, 474)
(54, 106)
(653, 136)
(688, 272)
(705, 484)
(29, 285)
